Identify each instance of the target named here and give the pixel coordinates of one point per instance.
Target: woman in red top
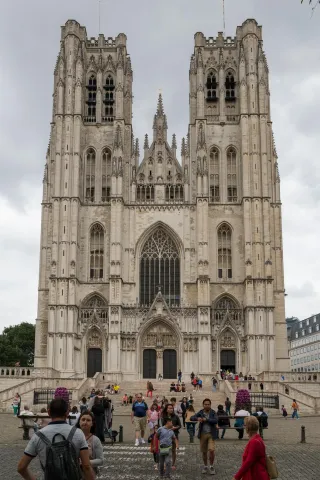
(254, 465)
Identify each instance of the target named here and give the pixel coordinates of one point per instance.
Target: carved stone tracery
(159, 336)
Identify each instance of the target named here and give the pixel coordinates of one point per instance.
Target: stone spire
(160, 126)
(183, 147)
(146, 142)
(137, 149)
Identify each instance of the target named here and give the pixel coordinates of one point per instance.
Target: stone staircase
(163, 389)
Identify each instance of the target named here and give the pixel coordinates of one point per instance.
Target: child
(125, 400)
(284, 412)
(166, 438)
(154, 447)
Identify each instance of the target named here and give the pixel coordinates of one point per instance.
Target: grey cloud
(160, 42)
(305, 290)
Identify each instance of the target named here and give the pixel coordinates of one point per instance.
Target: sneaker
(142, 440)
(136, 443)
(204, 470)
(212, 471)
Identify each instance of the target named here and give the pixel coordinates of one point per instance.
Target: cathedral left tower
(84, 189)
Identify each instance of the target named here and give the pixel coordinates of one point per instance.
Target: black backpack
(62, 462)
(264, 420)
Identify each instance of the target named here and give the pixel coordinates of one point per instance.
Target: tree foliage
(17, 345)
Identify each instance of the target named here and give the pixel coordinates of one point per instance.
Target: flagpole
(224, 17)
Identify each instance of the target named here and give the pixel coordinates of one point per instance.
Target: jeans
(228, 411)
(191, 429)
(165, 460)
(223, 432)
(184, 419)
(214, 388)
(295, 414)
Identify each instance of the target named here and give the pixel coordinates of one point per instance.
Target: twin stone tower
(150, 264)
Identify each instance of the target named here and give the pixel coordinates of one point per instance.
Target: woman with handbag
(254, 460)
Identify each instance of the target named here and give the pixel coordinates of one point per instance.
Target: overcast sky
(160, 42)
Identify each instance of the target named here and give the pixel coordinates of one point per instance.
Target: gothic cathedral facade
(150, 264)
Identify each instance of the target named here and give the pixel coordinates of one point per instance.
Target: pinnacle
(160, 110)
(146, 142)
(136, 149)
(183, 146)
(174, 141)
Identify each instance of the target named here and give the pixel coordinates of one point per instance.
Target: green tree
(17, 345)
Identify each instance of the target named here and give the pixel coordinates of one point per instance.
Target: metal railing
(44, 397)
(264, 400)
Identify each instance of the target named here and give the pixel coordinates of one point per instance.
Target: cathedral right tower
(235, 183)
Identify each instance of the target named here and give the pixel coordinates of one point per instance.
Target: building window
(317, 328)
(297, 335)
(224, 253)
(160, 269)
(230, 87)
(307, 321)
(145, 193)
(174, 193)
(212, 87)
(96, 252)
(94, 305)
(90, 175)
(214, 175)
(106, 176)
(232, 190)
(91, 99)
(109, 100)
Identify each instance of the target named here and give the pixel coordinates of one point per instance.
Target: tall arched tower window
(90, 175)
(108, 101)
(230, 87)
(224, 252)
(96, 252)
(212, 87)
(106, 176)
(232, 190)
(214, 175)
(160, 269)
(91, 99)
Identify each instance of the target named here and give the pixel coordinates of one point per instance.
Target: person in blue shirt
(139, 419)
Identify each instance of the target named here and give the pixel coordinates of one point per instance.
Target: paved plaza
(124, 461)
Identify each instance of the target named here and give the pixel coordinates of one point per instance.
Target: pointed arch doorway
(228, 360)
(94, 363)
(159, 351)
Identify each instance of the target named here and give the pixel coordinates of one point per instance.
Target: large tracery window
(214, 175)
(160, 269)
(96, 252)
(90, 175)
(174, 193)
(232, 189)
(224, 253)
(106, 176)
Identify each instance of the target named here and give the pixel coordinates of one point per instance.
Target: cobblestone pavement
(126, 462)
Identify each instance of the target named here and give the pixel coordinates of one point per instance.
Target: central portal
(159, 353)
(228, 360)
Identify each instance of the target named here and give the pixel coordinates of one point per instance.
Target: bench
(233, 417)
(34, 418)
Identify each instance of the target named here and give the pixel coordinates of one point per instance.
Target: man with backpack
(60, 448)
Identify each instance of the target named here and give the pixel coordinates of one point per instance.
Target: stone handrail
(289, 376)
(38, 383)
(27, 372)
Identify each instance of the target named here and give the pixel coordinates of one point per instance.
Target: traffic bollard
(303, 434)
(121, 434)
